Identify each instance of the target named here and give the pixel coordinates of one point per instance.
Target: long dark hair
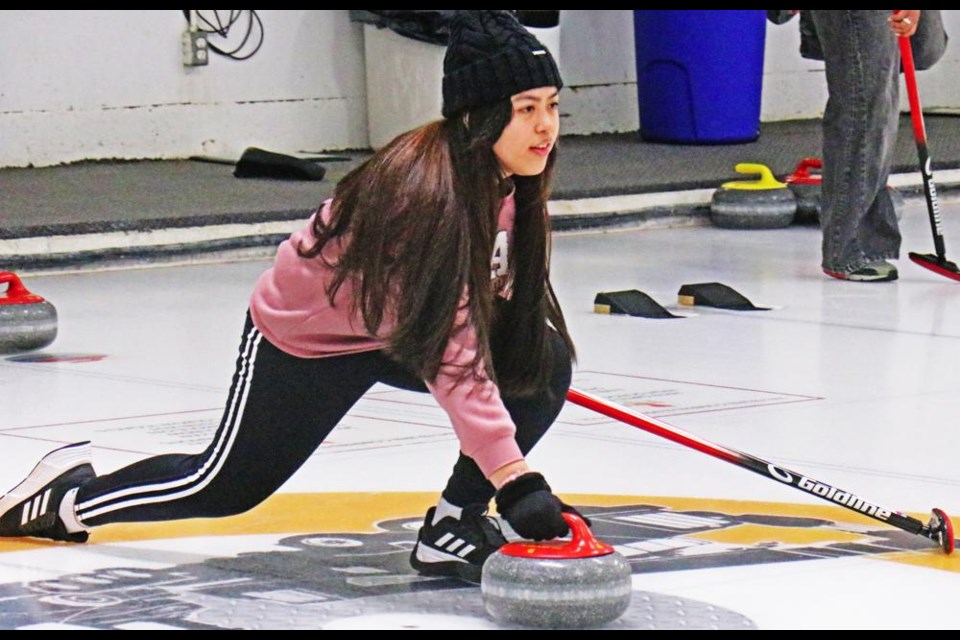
(419, 221)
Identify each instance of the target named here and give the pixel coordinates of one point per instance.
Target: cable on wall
(240, 33)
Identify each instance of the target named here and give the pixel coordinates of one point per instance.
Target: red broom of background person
(936, 263)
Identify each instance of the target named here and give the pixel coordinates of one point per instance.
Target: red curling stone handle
(16, 293)
(581, 545)
(802, 175)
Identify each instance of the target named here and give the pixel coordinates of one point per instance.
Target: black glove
(568, 509)
(531, 509)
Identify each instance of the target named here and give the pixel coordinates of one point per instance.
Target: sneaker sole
(446, 568)
(853, 278)
(49, 468)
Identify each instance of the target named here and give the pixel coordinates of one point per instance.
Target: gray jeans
(862, 62)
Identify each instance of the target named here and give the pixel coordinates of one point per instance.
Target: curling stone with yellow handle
(762, 203)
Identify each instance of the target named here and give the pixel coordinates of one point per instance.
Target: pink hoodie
(290, 307)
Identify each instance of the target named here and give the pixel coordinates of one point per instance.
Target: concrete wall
(77, 85)
(91, 85)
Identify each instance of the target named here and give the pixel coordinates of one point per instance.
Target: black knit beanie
(491, 56)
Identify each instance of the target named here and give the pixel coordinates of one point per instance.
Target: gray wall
(82, 85)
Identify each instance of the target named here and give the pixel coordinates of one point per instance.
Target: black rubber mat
(95, 197)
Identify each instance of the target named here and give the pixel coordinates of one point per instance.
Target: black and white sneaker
(456, 548)
(33, 507)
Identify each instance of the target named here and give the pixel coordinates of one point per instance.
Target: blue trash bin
(699, 75)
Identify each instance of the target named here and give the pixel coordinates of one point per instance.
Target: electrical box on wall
(196, 51)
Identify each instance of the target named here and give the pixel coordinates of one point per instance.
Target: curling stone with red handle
(27, 321)
(560, 584)
(805, 182)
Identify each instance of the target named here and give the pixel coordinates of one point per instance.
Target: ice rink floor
(851, 384)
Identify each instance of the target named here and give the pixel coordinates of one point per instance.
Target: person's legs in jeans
(859, 133)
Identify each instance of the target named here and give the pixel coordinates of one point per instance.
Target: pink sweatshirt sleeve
(479, 417)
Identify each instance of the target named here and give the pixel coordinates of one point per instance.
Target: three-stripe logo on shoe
(33, 509)
(457, 546)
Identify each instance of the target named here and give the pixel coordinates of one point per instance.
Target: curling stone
(560, 584)
(807, 187)
(763, 203)
(27, 321)
(805, 184)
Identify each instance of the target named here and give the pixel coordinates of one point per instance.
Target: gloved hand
(531, 509)
(568, 509)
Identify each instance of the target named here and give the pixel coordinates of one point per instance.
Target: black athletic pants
(280, 408)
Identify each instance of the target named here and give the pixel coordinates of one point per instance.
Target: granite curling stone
(805, 182)
(763, 203)
(27, 321)
(807, 187)
(560, 584)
